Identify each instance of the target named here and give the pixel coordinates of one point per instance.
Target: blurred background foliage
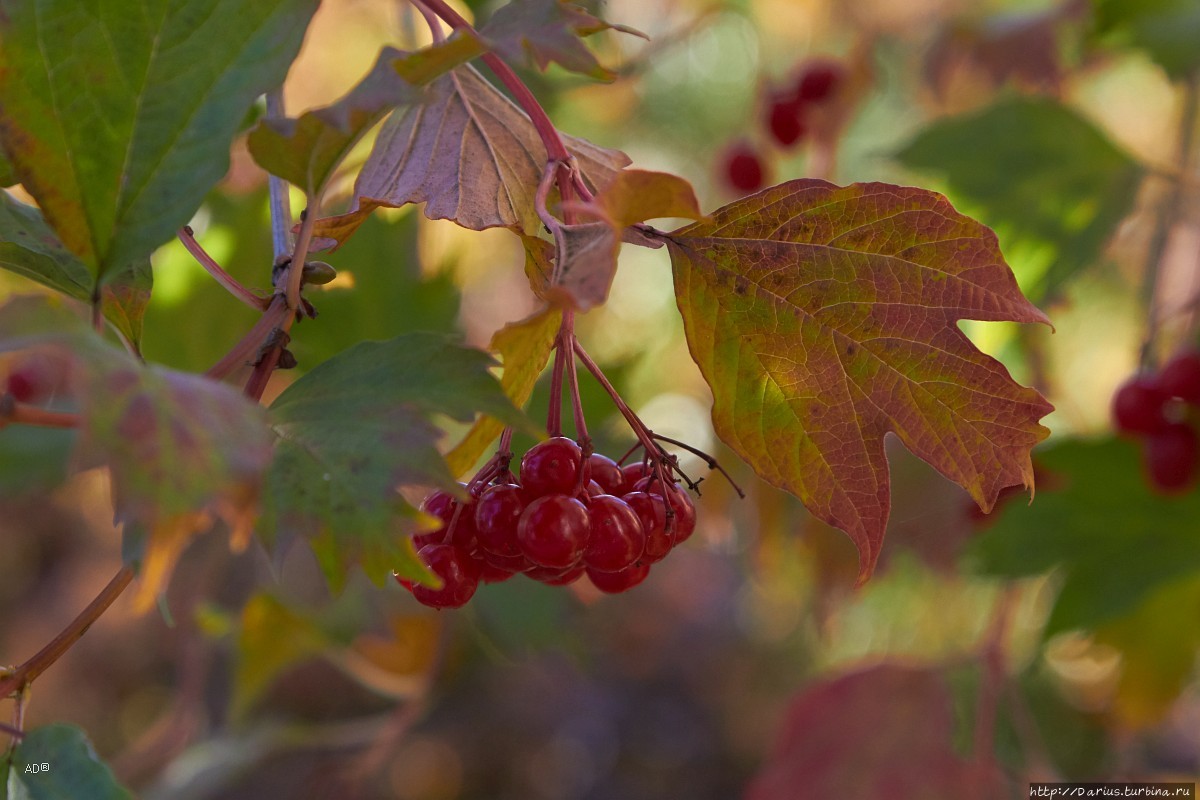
(1058, 124)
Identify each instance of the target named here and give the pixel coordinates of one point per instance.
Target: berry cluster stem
(11, 411)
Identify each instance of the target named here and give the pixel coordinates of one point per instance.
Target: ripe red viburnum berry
(652, 512)
(556, 577)
(1138, 405)
(1172, 456)
(819, 80)
(1181, 377)
(785, 121)
(742, 168)
(458, 571)
(553, 531)
(550, 467)
(616, 539)
(617, 582)
(684, 522)
(496, 516)
(443, 506)
(607, 473)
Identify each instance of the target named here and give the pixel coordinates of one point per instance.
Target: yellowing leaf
(397, 664)
(1158, 642)
(523, 349)
(636, 195)
(272, 638)
(824, 318)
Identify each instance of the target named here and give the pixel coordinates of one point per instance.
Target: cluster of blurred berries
(1154, 407)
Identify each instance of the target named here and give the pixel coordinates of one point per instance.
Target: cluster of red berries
(787, 114)
(1153, 407)
(548, 527)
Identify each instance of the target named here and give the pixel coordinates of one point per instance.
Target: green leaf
(30, 248)
(306, 151)
(1112, 539)
(182, 449)
(824, 318)
(1051, 184)
(57, 762)
(118, 116)
(357, 427)
(548, 31)
(1166, 29)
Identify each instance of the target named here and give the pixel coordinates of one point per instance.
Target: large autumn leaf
(118, 115)
(182, 450)
(882, 733)
(470, 154)
(825, 317)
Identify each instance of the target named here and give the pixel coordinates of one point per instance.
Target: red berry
(458, 571)
(1181, 377)
(786, 122)
(617, 539)
(1172, 456)
(551, 467)
(492, 573)
(820, 79)
(1137, 406)
(517, 563)
(607, 473)
(553, 531)
(652, 512)
(632, 473)
(743, 169)
(496, 516)
(443, 506)
(617, 582)
(556, 577)
(684, 521)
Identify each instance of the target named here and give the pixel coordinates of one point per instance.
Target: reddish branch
(17, 680)
(11, 411)
(187, 237)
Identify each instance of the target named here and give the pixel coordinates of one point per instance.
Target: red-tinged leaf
(183, 451)
(825, 317)
(549, 31)
(585, 258)
(636, 195)
(470, 154)
(306, 151)
(883, 733)
(523, 349)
